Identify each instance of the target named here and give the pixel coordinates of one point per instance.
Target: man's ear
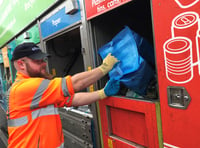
(21, 64)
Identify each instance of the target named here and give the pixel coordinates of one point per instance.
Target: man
(33, 99)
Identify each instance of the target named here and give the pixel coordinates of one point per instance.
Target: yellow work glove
(112, 87)
(102, 94)
(108, 63)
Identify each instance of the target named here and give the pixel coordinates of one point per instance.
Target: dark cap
(29, 50)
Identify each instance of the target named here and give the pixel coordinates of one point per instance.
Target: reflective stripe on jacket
(33, 118)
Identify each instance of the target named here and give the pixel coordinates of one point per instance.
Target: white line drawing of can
(186, 3)
(178, 60)
(197, 45)
(187, 24)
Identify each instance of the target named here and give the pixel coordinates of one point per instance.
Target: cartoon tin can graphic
(178, 59)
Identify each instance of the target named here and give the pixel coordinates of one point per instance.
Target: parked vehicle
(75, 31)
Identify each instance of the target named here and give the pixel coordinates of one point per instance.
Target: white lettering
(113, 3)
(56, 22)
(9, 26)
(5, 15)
(15, 2)
(100, 8)
(28, 4)
(96, 2)
(1, 1)
(35, 48)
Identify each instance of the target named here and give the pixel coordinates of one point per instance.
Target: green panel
(159, 125)
(34, 36)
(1, 58)
(17, 14)
(11, 46)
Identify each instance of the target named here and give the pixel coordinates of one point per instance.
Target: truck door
(176, 26)
(127, 119)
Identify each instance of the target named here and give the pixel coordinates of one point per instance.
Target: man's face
(36, 68)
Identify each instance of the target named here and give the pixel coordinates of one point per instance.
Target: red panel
(129, 123)
(97, 7)
(133, 130)
(176, 30)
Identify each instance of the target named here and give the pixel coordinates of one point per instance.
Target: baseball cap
(30, 50)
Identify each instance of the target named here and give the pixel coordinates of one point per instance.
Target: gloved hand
(108, 63)
(112, 87)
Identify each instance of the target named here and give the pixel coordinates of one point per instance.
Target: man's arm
(84, 79)
(84, 98)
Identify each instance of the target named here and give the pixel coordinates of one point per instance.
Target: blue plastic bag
(133, 70)
(122, 46)
(145, 49)
(138, 80)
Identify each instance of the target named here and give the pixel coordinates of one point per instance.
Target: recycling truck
(157, 43)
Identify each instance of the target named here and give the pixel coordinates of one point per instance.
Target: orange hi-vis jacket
(33, 118)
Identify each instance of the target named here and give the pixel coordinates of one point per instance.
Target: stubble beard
(42, 73)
